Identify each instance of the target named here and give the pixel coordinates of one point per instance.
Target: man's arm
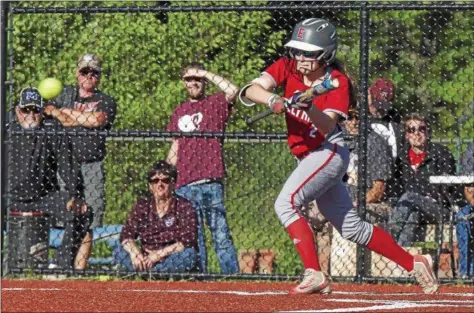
(173, 153)
(223, 84)
(469, 193)
(64, 119)
(157, 255)
(131, 247)
(85, 119)
(69, 117)
(138, 259)
(375, 194)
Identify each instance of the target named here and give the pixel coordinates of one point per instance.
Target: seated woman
(166, 225)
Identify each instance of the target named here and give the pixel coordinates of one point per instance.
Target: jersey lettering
(299, 114)
(302, 135)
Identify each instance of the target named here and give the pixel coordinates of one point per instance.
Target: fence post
(363, 130)
(5, 5)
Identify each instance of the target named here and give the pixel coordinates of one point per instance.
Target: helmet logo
(300, 34)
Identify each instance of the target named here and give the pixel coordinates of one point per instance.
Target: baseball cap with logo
(91, 61)
(382, 92)
(30, 97)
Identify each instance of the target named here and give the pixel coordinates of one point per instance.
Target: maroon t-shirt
(200, 158)
(177, 225)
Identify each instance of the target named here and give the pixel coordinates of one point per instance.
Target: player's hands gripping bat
(300, 100)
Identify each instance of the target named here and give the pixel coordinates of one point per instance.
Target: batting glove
(300, 100)
(276, 104)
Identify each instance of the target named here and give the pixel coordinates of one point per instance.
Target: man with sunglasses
(166, 225)
(421, 201)
(200, 160)
(379, 170)
(35, 162)
(83, 107)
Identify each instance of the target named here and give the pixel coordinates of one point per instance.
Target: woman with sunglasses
(315, 139)
(166, 225)
(421, 201)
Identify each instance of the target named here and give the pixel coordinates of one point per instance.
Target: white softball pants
(319, 177)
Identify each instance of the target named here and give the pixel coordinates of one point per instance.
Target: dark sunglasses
(87, 71)
(166, 180)
(29, 110)
(193, 78)
(351, 117)
(307, 54)
(413, 129)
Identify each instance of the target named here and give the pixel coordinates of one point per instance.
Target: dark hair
(197, 65)
(415, 116)
(353, 113)
(339, 65)
(163, 167)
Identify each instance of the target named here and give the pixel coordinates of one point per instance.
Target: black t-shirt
(88, 148)
(379, 162)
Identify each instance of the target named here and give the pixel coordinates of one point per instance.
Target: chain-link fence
(83, 190)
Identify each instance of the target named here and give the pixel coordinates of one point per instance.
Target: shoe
(313, 282)
(423, 273)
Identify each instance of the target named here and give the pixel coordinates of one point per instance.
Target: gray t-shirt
(88, 148)
(467, 162)
(379, 162)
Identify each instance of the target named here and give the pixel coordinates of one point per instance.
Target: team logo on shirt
(189, 123)
(169, 221)
(86, 107)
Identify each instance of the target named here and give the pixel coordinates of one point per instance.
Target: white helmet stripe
(312, 21)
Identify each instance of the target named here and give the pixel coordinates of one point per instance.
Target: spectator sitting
(35, 162)
(465, 218)
(200, 161)
(380, 99)
(166, 225)
(421, 200)
(83, 107)
(467, 168)
(379, 164)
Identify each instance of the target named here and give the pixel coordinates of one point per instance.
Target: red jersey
(303, 136)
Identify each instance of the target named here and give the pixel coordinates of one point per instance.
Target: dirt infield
(127, 296)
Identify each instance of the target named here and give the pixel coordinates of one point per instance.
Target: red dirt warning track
(127, 296)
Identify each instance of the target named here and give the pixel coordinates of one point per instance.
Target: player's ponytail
(337, 64)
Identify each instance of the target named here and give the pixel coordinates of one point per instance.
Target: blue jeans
(407, 215)
(464, 234)
(179, 262)
(208, 200)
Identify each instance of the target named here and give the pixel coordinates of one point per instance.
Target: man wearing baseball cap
(89, 61)
(381, 97)
(29, 108)
(83, 107)
(381, 94)
(34, 163)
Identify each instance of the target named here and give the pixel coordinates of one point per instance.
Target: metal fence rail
(144, 46)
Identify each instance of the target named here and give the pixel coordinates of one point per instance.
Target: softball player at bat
(315, 139)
